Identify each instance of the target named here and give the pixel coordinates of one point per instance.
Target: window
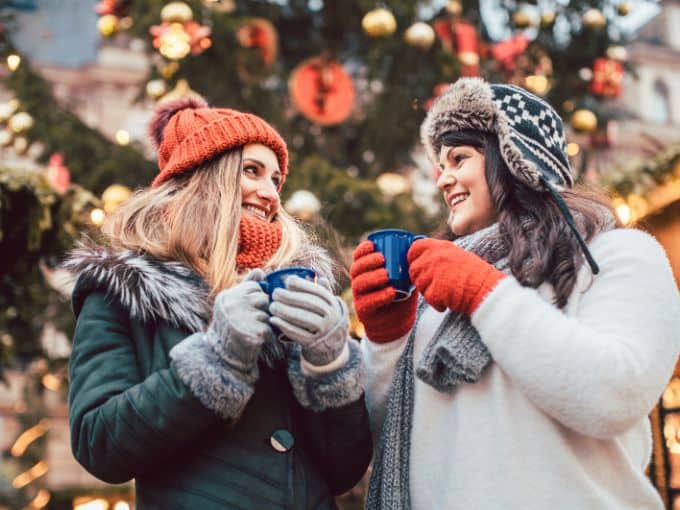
(661, 105)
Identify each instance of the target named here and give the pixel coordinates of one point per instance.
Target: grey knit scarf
(455, 354)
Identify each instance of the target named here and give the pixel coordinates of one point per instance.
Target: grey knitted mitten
(309, 314)
(240, 324)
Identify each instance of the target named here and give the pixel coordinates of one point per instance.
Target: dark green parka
(133, 414)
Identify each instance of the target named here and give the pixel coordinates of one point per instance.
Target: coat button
(282, 440)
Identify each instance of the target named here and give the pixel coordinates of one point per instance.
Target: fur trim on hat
(165, 110)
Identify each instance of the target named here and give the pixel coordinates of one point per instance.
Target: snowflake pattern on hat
(536, 130)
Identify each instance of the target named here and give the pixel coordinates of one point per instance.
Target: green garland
(641, 177)
(37, 225)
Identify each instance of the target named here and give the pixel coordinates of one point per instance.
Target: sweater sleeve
(381, 360)
(123, 425)
(601, 368)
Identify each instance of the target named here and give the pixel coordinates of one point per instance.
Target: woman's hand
(309, 314)
(240, 323)
(383, 318)
(449, 277)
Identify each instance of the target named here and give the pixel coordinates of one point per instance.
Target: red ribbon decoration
(505, 52)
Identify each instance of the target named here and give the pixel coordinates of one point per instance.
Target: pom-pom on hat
(188, 133)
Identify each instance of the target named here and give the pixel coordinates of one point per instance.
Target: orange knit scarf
(258, 241)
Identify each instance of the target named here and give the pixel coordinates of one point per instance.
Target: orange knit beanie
(188, 133)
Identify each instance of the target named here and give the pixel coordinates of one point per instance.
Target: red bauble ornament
(322, 91)
(607, 78)
(261, 34)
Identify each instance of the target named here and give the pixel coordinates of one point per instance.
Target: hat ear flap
(164, 113)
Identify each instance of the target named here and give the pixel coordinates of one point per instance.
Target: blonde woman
(177, 380)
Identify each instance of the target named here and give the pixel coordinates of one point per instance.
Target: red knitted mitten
(449, 277)
(384, 319)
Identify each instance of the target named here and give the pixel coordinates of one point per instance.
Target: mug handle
(264, 285)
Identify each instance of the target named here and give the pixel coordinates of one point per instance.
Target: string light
(41, 499)
(13, 62)
(122, 137)
(90, 504)
(28, 476)
(623, 212)
(51, 382)
(97, 216)
(573, 149)
(28, 436)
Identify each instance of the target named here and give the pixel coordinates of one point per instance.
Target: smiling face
(260, 182)
(466, 192)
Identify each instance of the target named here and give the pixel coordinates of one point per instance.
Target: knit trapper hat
(530, 135)
(188, 133)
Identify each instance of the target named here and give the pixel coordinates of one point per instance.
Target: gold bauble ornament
(20, 122)
(548, 19)
(522, 19)
(454, 8)
(5, 137)
(7, 109)
(115, 195)
(108, 25)
(156, 88)
(178, 12)
(20, 145)
(537, 83)
(593, 18)
(379, 22)
(624, 9)
(420, 34)
(584, 121)
(619, 53)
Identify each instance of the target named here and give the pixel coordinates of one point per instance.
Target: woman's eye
(250, 169)
(276, 181)
(458, 159)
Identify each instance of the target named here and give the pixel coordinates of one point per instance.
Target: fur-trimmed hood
(152, 290)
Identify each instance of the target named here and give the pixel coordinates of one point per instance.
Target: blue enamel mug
(277, 279)
(394, 243)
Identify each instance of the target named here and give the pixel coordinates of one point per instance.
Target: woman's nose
(267, 190)
(446, 179)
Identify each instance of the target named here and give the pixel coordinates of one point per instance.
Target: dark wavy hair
(542, 247)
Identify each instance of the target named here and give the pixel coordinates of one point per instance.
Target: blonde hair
(194, 219)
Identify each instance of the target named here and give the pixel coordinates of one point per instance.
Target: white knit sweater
(559, 420)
